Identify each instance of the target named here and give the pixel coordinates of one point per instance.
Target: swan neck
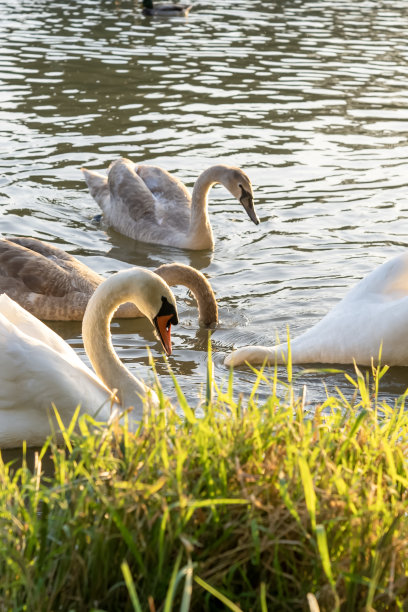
(98, 344)
(195, 281)
(200, 227)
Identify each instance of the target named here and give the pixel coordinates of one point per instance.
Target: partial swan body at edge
(55, 286)
(38, 368)
(373, 316)
(147, 203)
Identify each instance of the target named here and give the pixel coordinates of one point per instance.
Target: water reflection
(139, 254)
(15, 457)
(308, 97)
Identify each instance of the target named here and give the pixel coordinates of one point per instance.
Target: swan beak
(163, 326)
(247, 202)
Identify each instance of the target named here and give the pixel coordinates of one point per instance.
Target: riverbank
(250, 506)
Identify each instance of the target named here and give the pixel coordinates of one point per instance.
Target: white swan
(55, 286)
(37, 368)
(372, 315)
(148, 204)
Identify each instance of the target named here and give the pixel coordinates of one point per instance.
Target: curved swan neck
(200, 228)
(97, 340)
(179, 274)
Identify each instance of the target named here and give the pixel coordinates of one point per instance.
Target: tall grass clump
(251, 506)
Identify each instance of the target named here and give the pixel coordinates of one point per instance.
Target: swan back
(38, 369)
(372, 317)
(46, 281)
(55, 286)
(26, 323)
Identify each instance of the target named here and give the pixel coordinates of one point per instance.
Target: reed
(250, 506)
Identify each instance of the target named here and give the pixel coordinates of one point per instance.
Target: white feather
(372, 316)
(38, 369)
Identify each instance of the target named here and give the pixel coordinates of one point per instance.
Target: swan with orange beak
(165, 318)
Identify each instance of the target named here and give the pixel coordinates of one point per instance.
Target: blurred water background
(309, 97)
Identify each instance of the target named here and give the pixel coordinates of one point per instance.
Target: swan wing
(44, 268)
(389, 281)
(98, 188)
(33, 376)
(48, 375)
(130, 193)
(134, 211)
(122, 192)
(33, 328)
(164, 186)
(173, 200)
(45, 280)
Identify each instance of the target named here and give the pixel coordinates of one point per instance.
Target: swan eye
(247, 202)
(246, 198)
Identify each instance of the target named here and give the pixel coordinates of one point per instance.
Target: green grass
(253, 506)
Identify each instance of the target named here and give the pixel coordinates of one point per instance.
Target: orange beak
(163, 327)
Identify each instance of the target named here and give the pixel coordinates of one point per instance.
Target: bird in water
(151, 8)
(371, 318)
(147, 203)
(38, 369)
(55, 286)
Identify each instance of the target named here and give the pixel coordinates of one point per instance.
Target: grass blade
(131, 587)
(230, 605)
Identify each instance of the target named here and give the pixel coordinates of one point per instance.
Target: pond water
(309, 97)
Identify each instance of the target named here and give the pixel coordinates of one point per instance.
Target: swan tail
(98, 187)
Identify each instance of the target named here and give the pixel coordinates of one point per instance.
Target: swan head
(156, 301)
(164, 319)
(150, 294)
(238, 183)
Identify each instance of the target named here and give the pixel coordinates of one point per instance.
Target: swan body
(38, 368)
(372, 316)
(165, 10)
(55, 286)
(147, 203)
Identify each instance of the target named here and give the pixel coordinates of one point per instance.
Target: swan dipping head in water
(371, 320)
(55, 286)
(39, 369)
